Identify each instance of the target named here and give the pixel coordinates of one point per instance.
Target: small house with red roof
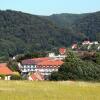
(62, 51)
(4, 70)
(36, 76)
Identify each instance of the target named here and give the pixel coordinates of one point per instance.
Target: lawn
(28, 90)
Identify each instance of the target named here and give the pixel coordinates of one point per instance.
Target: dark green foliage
(65, 20)
(13, 65)
(16, 77)
(23, 33)
(89, 25)
(30, 55)
(4, 59)
(2, 76)
(84, 25)
(98, 36)
(76, 69)
(97, 58)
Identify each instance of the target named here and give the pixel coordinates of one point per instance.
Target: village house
(36, 76)
(90, 43)
(86, 42)
(60, 56)
(44, 65)
(74, 45)
(57, 57)
(4, 70)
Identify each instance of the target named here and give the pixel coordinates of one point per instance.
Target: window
(28, 66)
(24, 66)
(32, 66)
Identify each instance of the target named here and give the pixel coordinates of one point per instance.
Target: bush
(2, 76)
(16, 77)
(76, 69)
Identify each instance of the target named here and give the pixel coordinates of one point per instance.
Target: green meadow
(65, 90)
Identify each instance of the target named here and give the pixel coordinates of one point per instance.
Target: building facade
(43, 65)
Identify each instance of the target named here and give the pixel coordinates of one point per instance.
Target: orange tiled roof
(37, 76)
(46, 61)
(4, 69)
(62, 50)
(51, 63)
(34, 60)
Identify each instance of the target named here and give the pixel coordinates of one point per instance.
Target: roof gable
(4, 69)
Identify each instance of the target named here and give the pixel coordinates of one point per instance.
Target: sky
(48, 7)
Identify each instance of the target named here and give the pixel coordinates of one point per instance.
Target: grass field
(26, 90)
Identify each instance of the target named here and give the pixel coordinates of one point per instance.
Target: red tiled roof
(28, 61)
(43, 62)
(34, 60)
(4, 69)
(37, 76)
(52, 63)
(62, 50)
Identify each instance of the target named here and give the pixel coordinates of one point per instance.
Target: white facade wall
(45, 70)
(59, 57)
(7, 77)
(28, 68)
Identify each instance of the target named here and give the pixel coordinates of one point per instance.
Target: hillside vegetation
(90, 26)
(86, 24)
(22, 32)
(65, 20)
(84, 67)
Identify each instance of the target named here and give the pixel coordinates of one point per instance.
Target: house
(36, 76)
(62, 51)
(86, 42)
(57, 57)
(98, 48)
(62, 54)
(90, 43)
(4, 70)
(74, 46)
(44, 65)
(95, 42)
(29, 65)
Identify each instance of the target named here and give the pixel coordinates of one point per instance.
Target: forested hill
(65, 19)
(21, 32)
(89, 25)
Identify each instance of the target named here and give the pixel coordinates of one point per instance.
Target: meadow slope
(26, 90)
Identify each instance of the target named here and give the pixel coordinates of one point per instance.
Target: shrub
(76, 69)
(16, 77)
(2, 76)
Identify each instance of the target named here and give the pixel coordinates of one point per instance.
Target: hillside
(89, 25)
(65, 19)
(21, 32)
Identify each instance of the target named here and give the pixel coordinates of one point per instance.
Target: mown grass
(27, 90)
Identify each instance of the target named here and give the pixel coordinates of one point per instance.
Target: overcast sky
(48, 7)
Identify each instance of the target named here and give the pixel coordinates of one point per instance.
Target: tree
(75, 68)
(97, 58)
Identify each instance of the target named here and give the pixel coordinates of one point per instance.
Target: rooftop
(4, 69)
(46, 61)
